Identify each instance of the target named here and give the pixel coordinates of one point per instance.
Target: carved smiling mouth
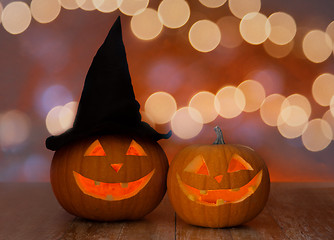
(111, 191)
(220, 196)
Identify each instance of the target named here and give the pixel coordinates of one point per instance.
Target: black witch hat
(107, 104)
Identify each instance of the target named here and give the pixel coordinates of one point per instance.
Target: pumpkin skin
(194, 196)
(112, 183)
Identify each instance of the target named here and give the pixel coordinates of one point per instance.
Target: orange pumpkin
(109, 178)
(219, 185)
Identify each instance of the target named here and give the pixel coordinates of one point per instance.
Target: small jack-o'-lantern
(218, 185)
(109, 177)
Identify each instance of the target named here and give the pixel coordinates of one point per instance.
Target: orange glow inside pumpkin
(135, 149)
(219, 178)
(237, 163)
(198, 166)
(111, 191)
(95, 149)
(220, 196)
(116, 166)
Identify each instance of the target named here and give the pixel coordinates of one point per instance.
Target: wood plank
(159, 224)
(294, 211)
(186, 231)
(264, 226)
(304, 210)
(30, 211)
(82, 229)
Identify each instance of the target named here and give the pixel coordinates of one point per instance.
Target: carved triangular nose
(116, 166)
(219, 178)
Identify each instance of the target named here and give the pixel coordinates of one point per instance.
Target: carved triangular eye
(237, 163)
(135, 149)
(95, 149)
(198, 166)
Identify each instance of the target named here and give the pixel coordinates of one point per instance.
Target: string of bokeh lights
(291, 115)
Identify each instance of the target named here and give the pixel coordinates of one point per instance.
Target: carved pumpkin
(109, 177)
(218, 185)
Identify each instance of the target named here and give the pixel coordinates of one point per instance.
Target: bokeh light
(15, 127)
(71, 4)
(332, 105)
(292, 115)
(204, 35)
(240, 8)
(213, 3)
(229, 102)
(66, 118)
(146, 25)
(186, 123)
(323, 89)
(52, 96)
(45, 11)
(61, 118)
(146, 118)
(52, 121)
(278, 51)
(67, 115)
(299, 101)
(16, 17)
(283, 28)
(174, 13)
(229, 28)
(329, 118)
(1, 8)
(107, 6)
(87, 5)
(204, 103)
(289, 131)
(131, 7)
(254, 94)
(330, 31)
(271, 109)
(73, 106)
(255, 28)
(317, 46)
(160, 107)
(317, 135)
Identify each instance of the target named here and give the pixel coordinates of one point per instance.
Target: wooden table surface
(294, 211)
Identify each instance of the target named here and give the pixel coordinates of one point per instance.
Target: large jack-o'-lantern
(218, 185)
(108, 166)
(109, 177)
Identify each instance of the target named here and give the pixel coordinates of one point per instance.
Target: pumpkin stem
(220, 138)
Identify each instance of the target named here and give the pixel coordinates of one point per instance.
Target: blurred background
(263, 70)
